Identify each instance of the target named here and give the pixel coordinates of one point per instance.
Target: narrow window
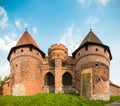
(104, 50)
(96, 49)
(30, 48)
(96, 64)
(86, 47)
(22, 50)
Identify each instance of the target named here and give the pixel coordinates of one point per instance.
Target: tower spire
(26, 29)
(90, 27)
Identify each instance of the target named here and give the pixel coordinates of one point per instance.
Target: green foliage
(52, 100)
(2, 81)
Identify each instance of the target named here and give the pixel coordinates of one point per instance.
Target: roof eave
(92, 43)
(27, 45)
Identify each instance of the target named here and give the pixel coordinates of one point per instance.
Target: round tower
(58, 51)
(92, 62)
(26, 60)
(58, 55)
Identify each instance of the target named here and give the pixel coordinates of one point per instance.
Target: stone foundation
(101, 96)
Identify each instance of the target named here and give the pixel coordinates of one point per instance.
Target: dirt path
(114, 104)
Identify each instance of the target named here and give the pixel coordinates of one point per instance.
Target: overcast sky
(60, 21)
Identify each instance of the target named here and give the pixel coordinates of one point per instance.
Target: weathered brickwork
(114, 89)
(32, 72)
(7, 88)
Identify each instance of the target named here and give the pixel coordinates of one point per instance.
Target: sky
(60, 21)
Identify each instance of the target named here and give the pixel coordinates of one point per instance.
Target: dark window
(96, 49)
(37, 53)
(96, 64)
(30, 48)
(67, 79)
(22, 50)
(78, 54)
(16, 65)
(86, 47)
(49, 79)
(104, 50)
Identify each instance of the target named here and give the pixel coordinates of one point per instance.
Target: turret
(58, 51)
(92, 62)
(26, 60)
(58, 55)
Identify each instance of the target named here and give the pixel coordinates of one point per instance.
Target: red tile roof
(25, 39)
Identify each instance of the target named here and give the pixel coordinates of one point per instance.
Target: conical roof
(26, 39)
(91, 38)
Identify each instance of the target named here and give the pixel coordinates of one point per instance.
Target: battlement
(58, 51)
(57, 47)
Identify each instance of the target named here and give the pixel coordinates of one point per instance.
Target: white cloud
(18, 23)
(3, 18)
(114, 66)
(103, 2)
(84, 3)
(8, 38)
(92, 21)
(7, 41)
(68, 39)
(34, 30)
(4, 70)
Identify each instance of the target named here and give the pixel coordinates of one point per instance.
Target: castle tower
(26, 60)
(58, 55)
(92, 62)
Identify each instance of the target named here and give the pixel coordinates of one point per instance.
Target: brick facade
(32, 72)
(114, 89)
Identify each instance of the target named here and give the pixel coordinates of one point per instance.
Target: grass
(52, 100)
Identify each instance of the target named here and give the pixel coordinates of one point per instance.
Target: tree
(2, 81)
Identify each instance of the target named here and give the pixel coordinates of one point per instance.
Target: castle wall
(96, 58)
(114, 90)
(26, 67)
(49, 66)
(6, 88)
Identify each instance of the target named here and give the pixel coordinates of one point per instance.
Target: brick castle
(86, 72)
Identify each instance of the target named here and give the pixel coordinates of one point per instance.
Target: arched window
(49, 79)
(67, 79)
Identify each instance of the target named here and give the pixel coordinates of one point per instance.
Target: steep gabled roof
(92, 38)
(26, 39)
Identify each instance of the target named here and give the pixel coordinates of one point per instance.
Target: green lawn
(52, 100)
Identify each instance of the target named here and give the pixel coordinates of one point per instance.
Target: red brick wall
(7, 89)
(99, 61)
(114, 90)
(58, 73)
(26, 67)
